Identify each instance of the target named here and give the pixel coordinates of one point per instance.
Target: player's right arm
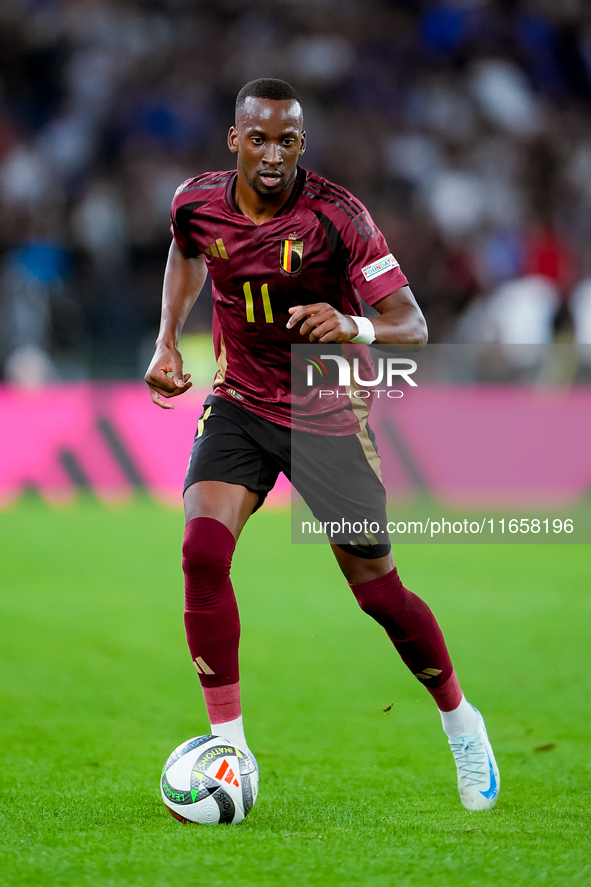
(183, 281)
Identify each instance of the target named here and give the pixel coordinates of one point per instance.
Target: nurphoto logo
(387, 371)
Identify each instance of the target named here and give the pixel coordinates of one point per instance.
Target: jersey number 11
(250, 304)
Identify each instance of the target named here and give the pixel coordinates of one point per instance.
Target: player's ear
(303, 143)
(233, 140)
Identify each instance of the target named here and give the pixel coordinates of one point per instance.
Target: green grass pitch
(97, 688)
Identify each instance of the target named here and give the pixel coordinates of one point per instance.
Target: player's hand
(162, 385)
(322, 323)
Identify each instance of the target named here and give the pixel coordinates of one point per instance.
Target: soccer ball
(209, 780)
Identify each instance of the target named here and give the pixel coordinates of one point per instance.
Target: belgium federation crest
(292, 253)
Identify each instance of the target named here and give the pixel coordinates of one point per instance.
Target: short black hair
(267, 88)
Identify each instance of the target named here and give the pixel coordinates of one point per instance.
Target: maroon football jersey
(322, 246)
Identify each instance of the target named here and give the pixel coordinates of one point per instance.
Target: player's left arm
(400, 321)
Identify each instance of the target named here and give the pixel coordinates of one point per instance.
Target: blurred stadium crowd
(464, 125)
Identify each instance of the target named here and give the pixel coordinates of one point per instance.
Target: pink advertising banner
(512, 445)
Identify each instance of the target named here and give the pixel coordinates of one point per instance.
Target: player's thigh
(231, 504)
(229, 474)
(338, 478)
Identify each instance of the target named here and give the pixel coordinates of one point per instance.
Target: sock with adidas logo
(212, 623)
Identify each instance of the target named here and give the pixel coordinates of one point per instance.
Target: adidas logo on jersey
(216, 249)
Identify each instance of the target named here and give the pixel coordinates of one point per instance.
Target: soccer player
(289, 254)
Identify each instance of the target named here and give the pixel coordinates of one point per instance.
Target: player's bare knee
(376, 561)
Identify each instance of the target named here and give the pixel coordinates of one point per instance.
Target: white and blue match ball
(209, 780)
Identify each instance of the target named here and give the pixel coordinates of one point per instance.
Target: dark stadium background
(463, 125)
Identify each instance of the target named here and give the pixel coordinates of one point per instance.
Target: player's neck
(256, 208)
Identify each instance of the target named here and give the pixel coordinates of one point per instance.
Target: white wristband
(365, 331)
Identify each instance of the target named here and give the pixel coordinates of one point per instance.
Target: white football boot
(478, 775)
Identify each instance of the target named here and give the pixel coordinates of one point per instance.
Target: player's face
(268, 139)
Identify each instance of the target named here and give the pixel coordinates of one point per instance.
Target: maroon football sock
(412, 628)
(449, 695)
(212, 623)
(223, 703)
